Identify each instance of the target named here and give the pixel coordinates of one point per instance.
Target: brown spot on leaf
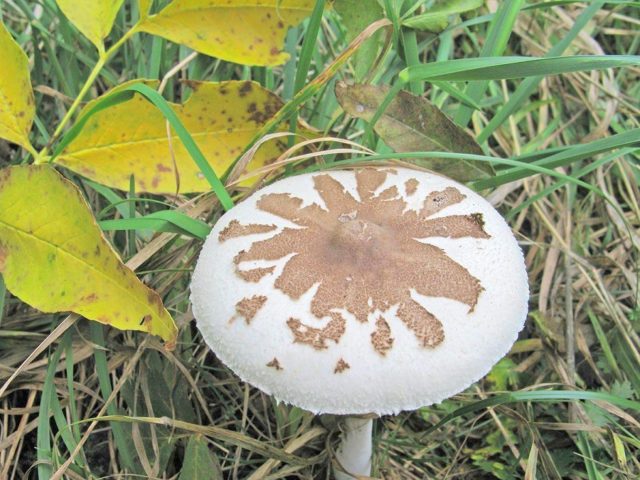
(274, 51)
(92, 297)
(341, 366)
(249, 307)
(193, 84)
(3, 257)
(155, 300)
(275, 364)
(163, 168)
(170, 345)
(245, 88)
(146, 322)
(5, 173)
(236, 229)
(364, 256)
(381, 338)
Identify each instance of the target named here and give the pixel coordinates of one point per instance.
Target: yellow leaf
(94, 18)
(250, 32)
(17, 107)
(144, 6)
(54, 257)
(131, 138)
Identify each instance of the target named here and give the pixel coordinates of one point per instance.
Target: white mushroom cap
(366, 291)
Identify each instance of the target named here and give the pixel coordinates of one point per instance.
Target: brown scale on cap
(275, 364)
(381, 338)
(249, 307)
(365, 256)
(318, 337)
(236, 229)
(341, 366)
(410, 186)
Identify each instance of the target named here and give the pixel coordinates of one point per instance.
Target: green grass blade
(526, 88)
(43, 436)
(536, 396)
(162, 221)
(412, 56)
(565, 157)
(159, 102)
(590, 167)
(500, 68)
(504, 68)
(123, 442)
(308, 46)
(500, 30)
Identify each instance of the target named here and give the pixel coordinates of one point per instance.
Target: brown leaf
(413, 124)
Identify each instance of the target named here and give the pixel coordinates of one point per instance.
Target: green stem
(103, 58)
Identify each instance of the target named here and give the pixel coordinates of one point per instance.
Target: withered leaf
(413, 124)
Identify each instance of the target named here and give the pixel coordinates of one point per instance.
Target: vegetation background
(129, 408)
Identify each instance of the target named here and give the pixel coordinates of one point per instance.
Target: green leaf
(503, 374)
(413, 124)
(161, 221)
(17, 107)
(94, 19)
(199, 463)
(356, 16)
(250, 32)
(436, 18)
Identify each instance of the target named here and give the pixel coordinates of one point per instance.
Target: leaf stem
(103, 58)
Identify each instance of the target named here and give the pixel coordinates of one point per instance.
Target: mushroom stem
(354, 453)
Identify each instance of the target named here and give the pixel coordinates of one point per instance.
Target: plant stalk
(103, 58)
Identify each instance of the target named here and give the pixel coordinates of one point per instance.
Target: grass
(564, 404)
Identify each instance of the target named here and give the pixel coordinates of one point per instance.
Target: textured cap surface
(373, 290)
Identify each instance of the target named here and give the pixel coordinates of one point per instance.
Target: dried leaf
(17, 107)
(199, 463)
(58, 260)
(413, 124)
(131, 138)
(356, 16)
(94, 19)
(436, 18)
(250, 32)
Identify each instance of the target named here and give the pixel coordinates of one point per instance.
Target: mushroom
(367, 291)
